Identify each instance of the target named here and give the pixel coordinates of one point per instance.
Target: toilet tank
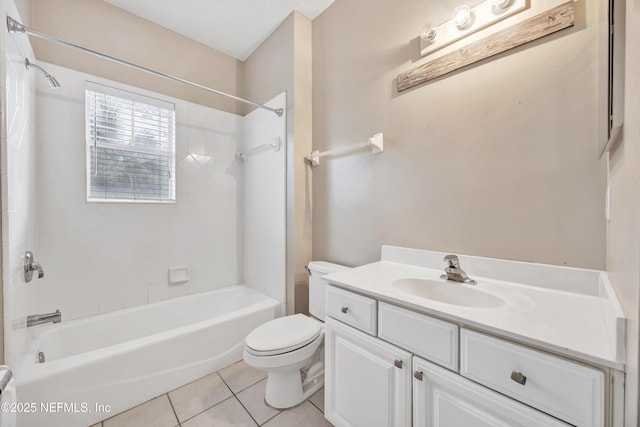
(317, 285)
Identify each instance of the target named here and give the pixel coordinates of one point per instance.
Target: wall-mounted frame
(615, 107)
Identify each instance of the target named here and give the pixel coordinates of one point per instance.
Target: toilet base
(287, 389)
(292, 377)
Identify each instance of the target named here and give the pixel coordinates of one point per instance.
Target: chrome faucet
(30, 265)
(39, 319)
(454, 273)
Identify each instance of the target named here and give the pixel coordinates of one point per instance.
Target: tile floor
(233, 396)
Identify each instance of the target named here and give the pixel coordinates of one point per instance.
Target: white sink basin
(448, 292)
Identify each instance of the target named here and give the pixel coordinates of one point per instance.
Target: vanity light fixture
(502, 4)
(429, 33)
(467, 20)
(463, 17)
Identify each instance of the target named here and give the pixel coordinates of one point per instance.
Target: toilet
(291, 348)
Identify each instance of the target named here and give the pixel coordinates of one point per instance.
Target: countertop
(582, 326)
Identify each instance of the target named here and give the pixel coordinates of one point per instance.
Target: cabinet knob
(418, 375)
(518, 377)
(345, 309)
(398, 363)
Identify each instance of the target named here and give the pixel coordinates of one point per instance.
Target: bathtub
(102, 365)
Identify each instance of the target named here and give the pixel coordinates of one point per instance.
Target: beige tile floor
(233, 396)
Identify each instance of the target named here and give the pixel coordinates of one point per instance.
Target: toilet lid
(284, 334)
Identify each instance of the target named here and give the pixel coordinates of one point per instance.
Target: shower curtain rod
(14, 26)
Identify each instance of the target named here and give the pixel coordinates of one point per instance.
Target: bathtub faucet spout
(39, 319)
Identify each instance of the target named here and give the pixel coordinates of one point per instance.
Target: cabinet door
(367, 381)
(444, 399)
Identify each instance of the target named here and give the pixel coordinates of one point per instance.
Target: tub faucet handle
(30, 265)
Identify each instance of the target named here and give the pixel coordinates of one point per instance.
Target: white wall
(100, 257)
(18, 185)
(265, 202)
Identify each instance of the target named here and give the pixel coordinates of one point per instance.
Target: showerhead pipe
(53, 83)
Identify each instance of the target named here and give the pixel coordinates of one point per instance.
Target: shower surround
(107, 257)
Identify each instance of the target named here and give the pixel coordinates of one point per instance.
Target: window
(130, 147)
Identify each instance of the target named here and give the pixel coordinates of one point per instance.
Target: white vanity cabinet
(444, 399)
(413, 369)
(367, 381)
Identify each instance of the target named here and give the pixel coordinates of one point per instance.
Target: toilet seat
(283, 335)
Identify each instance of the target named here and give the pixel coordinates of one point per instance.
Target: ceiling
(235, 27)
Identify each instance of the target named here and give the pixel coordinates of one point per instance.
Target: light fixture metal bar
(14, 26)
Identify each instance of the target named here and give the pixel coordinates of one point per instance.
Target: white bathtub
(127, 357)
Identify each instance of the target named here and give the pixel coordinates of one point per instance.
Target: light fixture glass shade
(502, 4)
(462, 16)
(429, 33)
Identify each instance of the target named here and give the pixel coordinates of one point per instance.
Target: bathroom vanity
(529, 345)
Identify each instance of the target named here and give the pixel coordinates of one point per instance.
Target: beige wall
(623, 232)
(499, 159)
(283, 63)
(24, 9)
(103, 27)
(300, 229)
(269, 69)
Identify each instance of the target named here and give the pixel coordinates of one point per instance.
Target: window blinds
(130, 147)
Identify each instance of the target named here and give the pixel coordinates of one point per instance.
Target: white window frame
(92, 142)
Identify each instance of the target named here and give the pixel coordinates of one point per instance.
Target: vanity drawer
(352, 309)
(432, 339)
(564, 389)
